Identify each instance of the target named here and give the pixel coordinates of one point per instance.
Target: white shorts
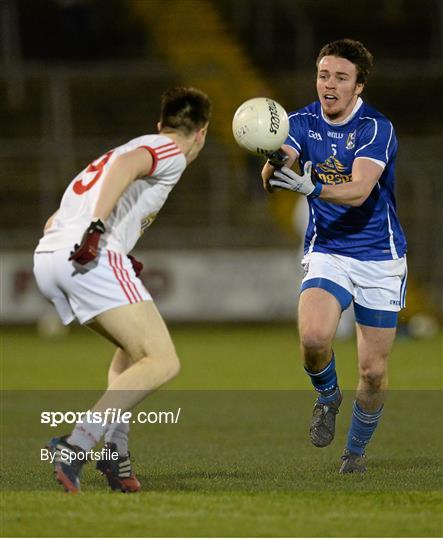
(82, 292)
(378, 288)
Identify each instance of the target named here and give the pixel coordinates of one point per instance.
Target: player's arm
(268, 169)
(123, 171)
(365, 174)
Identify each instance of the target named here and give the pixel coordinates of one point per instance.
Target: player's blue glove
(88, 249)
(287, 179)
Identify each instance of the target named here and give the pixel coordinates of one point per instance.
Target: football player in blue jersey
(354, 245)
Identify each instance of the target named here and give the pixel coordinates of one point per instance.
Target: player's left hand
(287, 179)
(136, 265)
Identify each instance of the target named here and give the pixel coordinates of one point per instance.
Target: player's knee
(166, 366)
(315, 342)
(168, 361)
(373, 376)
(172, 366)
(163, 355)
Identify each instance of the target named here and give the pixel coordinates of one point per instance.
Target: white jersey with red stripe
(136, 208)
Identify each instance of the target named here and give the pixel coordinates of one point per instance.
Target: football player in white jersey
(355, 249)
(82, 266)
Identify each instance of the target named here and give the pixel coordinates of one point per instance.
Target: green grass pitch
(239, 462)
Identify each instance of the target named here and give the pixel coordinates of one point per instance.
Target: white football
(260, 125)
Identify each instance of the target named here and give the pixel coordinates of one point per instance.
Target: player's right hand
(87, 250)
(277, 159)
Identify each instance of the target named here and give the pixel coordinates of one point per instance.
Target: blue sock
(325, 382)
(362, 427)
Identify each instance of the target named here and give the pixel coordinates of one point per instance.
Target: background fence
(69, 96)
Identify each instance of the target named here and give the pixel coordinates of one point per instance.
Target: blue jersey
(368, 232)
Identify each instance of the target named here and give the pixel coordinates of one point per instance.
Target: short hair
(185, 109)
(352, 50)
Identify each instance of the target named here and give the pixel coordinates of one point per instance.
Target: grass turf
(170, 514)
(238, 463)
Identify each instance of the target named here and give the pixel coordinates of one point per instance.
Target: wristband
(316, 191)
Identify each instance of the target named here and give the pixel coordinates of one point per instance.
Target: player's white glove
(287, 179)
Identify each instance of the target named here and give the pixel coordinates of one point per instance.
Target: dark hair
(184, 108)
(352, 50)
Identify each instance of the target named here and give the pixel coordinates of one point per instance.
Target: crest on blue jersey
(350, 141)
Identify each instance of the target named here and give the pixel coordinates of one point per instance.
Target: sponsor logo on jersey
(394, 302)
(350, 141)
(315, 135)
(335, 135)
(331, 171)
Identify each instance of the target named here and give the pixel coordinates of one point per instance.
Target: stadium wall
(215, 285)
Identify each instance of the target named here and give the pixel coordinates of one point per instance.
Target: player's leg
(119, 363)
(117, 433)
(141, 332)
(112, 300)
(66, 469)
(380, 291)
(318, 317)
(143, 335)
(325, 293)
(118, 472)
(373, 345)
